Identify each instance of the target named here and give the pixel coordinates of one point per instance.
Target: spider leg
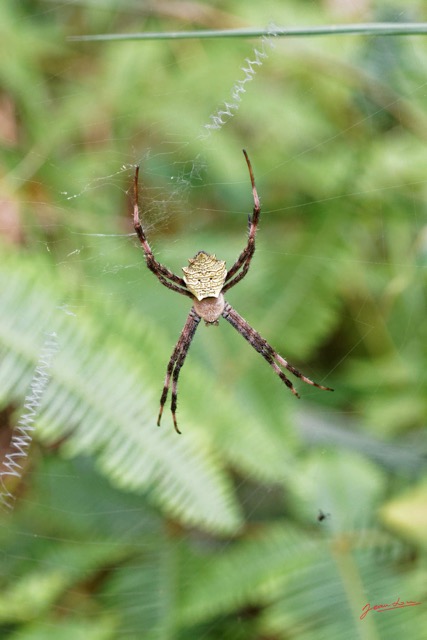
(175, 363)
(166, 277)
(261, 345)
(244, 260)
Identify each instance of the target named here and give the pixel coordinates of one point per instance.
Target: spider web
(195, 194)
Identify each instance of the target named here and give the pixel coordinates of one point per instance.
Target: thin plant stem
(368, 29)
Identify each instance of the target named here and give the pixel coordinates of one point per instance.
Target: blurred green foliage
(124, 530)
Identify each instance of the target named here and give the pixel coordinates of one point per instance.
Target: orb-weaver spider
(205, 281)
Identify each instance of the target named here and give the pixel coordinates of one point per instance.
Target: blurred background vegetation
(123, 530)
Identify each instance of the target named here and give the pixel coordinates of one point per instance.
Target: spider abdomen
(205, 275)
(210, 309)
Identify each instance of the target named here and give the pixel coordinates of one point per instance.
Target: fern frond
(59, 569)
(241, 574)
(101, 400)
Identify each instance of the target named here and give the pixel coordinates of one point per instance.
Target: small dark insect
(205, 281)
(322, 516)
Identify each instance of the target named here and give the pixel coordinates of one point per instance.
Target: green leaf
(407, 514)
(60, 568)
(73, 628)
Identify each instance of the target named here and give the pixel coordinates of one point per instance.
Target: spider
(205, 281)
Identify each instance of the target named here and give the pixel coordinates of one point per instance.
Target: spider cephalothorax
(205, 281)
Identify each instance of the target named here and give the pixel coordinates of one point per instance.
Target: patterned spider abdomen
(205, 275)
